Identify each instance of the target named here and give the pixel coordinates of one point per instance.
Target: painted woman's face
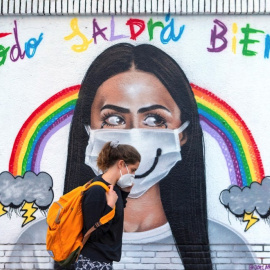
(134, 99)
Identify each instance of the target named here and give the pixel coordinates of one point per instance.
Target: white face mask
(126, 180)
(159, 148)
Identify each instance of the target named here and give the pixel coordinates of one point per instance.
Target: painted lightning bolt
(250, 219)
(29, 211)
(3, 211)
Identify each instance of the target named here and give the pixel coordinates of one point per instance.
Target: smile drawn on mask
(159, 151)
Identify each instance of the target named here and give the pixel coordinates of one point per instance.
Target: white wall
(239, 80)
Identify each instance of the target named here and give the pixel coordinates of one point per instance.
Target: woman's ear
(120, 164)
(183, 138)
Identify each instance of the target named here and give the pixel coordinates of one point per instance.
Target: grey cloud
(245, 200)
(29, 188)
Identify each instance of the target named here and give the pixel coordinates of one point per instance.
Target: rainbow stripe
(217, 118)
(29, 144)
(238, 146)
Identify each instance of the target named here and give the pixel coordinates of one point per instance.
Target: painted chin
(159, 151)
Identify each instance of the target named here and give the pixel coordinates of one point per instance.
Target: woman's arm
(94, 206)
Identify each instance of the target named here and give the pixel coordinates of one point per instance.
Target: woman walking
(118, 162)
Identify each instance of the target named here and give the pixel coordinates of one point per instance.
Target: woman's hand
(111, 197)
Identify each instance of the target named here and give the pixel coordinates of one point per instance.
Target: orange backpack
(65, 223)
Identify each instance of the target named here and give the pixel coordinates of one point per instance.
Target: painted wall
(226, 60)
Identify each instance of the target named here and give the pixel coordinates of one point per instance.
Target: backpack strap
(106, 218)
(88, 233)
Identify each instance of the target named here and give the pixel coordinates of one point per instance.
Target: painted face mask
(159, 148)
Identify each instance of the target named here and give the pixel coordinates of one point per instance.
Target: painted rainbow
(238, 146)
(216, 117)
(49, 117)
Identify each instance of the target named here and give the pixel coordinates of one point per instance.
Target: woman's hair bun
(114, 144)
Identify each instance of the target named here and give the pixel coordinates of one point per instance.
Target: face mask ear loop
(183, 127)
(127, 168)
(120, 172)
(88, 129)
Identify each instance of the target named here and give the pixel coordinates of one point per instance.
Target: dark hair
(109, 155)
(183, 190)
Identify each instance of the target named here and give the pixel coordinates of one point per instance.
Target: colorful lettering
(135, 22)
(16, 47)
(267, 46)
(234, 30)
(31, 46)
(76, 32)
(151, 26)
(220, 36)
(98, 31)
(16, 51)
(3, 50)
(3, 54)
(246, 41)
(113, 36)
(4, 34)
(170, 29)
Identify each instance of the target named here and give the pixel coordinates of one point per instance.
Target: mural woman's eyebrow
(153, 107)
(115, 108)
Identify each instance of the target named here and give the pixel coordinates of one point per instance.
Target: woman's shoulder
(94, 193)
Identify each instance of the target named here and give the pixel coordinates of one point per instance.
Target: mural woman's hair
(183, 190)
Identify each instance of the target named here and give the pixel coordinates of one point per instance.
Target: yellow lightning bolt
(250, 219)
(29, 211)
(3, 211)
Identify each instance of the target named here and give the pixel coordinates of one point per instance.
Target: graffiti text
(16, 51)
(168, 31)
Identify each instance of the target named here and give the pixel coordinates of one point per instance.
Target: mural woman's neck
(144, 213)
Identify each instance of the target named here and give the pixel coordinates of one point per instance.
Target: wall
(43, 62)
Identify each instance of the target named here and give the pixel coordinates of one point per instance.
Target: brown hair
(110, 154)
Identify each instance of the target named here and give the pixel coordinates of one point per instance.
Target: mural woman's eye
(112, 120)
(155, 120)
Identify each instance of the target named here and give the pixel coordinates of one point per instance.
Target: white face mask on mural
(159, 148)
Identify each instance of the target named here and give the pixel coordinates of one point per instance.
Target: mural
(17, 50)
(149, 85)
(24, 192)
(245, 201)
